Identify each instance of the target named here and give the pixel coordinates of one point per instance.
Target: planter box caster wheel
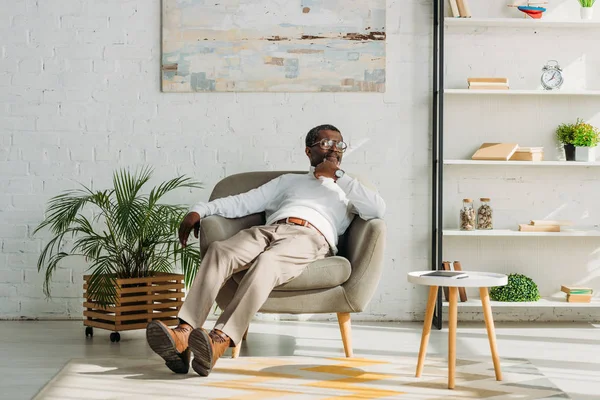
(89, 331)
(115, 337)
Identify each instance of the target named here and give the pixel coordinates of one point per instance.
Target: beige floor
(569, 354)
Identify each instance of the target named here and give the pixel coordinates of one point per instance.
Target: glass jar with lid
(467, 215)
(484, 214)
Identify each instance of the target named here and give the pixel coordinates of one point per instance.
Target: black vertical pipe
(440, 226)
(437, 149)
(434, 139)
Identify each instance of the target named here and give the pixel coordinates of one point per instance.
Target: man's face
(316, 154)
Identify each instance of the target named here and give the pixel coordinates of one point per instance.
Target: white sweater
(322, 202)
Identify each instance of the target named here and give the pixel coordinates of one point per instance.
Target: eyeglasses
(327, 144)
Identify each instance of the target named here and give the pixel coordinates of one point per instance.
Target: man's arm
(365, 202)
(240, 205)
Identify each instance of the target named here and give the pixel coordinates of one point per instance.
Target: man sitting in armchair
(305, 214)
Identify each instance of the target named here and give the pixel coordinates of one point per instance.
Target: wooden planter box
(139, 301)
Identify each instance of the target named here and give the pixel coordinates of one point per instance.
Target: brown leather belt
(298, 221)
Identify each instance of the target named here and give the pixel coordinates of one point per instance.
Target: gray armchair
(341, 284)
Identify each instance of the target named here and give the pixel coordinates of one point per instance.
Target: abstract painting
(273, 46)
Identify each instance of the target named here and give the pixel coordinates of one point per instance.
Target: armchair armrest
(216, 228)
(365, 250)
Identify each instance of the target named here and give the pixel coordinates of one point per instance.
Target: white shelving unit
(545, 302)
(519, 23)
(510, 232)
(512, 92)
(467, 97)
(524, 163)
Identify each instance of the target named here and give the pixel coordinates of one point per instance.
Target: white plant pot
(586, 12)
(585, 154)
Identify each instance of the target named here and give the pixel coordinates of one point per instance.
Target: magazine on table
(447, 274)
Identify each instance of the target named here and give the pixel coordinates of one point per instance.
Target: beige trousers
(272, 254)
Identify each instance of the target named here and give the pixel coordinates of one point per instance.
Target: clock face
(552, 79)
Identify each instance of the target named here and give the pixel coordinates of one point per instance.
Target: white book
(454, 8)
(488, 84)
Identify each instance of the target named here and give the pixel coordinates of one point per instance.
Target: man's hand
(326, 169)
(192, 220)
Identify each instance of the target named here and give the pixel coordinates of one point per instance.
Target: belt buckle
(304, 222)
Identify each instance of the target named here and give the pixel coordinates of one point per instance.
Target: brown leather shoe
(207, 349)
(170, 344)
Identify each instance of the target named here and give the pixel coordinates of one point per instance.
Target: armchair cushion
(321, 274)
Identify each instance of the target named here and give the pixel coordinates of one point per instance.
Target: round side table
(482, 280)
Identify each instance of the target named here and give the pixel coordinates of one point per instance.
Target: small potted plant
(129, 239)
(564, 135)
(586, 10)
(519, 288)
(585, 140)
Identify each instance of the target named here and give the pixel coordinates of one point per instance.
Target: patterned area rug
(254, 378)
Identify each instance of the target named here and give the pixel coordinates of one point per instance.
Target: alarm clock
(552, 77)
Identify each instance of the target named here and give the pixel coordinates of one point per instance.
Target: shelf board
(544, 302)
(528, 163)
(519, 23)
(515, 92)
(510, 232)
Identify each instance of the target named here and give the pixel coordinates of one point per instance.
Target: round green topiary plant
(518, 288)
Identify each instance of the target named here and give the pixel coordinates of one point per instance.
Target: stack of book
(528, 154)
(577, 294)
(488, 83)
(538, 225)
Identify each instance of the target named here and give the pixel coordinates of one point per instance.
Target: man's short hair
(313, 134)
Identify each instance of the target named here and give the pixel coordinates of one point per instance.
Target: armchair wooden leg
(346, 330)
(235, 352)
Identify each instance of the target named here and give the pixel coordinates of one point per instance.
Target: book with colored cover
(485, 80)
(576, 290)
(463, 8)
(550, 222)
(495, 151)
(530, 150)
(488, 87)
(446, 267)
(462, 293)
(539, 228)
(525, 156)
(499, 84)
(579, 298)
(454, 8)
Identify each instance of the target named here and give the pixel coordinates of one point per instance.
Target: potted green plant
(585, 140)
(586, 10)
(129, 239)
(564, 135)
(519, 288)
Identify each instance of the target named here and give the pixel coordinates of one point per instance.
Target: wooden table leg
(489, 324)
(426, 328)
(452, 322)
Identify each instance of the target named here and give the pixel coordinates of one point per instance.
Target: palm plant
(131, 234)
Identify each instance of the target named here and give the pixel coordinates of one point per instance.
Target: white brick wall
(80, 96)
